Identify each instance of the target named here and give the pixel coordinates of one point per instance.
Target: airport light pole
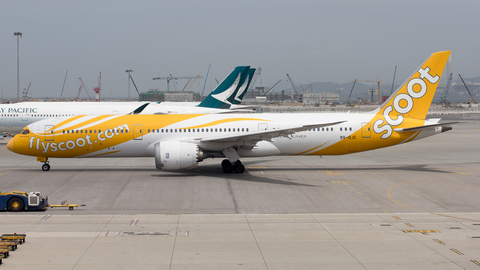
(128, 71)
(18, 34)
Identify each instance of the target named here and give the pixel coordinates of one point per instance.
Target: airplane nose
(10, 144)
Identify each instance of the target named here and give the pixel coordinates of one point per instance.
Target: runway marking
(332, 172)
(462, 173)
(343, 182)
(386, 211)
(352, 188)
(456, 251)
(424, 232)
(438, 241)
(46, 217)
(397, 218)
(409, 225)
(2, 174)
(475, 262)
(367, 198)
(134, 222)
(423, 211)
(256, 167)
(359, 193)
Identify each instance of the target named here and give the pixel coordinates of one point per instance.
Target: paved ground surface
(414, 206)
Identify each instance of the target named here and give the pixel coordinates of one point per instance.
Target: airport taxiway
(413, 206)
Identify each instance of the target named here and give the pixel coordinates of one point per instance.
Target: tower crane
(170, 78)
(98, 88)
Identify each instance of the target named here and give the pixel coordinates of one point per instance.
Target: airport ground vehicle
(17, 201)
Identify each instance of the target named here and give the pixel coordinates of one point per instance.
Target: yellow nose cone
(10, 145)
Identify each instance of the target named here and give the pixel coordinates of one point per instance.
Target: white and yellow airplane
(181, 141)
(14, 117)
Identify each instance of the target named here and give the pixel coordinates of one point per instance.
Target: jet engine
(175, 155)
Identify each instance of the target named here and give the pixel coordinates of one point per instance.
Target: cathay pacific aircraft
(14, 117)
(181, 141)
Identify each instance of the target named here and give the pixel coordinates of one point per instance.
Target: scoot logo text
(407, 104)
(79, 142)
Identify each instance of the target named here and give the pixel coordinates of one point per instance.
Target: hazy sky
(313, 41)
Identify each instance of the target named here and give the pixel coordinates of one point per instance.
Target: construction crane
(170, 78)
(294, 90)
(467, 89)
(79, 91)
(191, 85)
(85, 89)
(98, 88)
(25, 92)
(271, 88)
(378, 83)
(173, 82)
(308, 86)
(348, 99)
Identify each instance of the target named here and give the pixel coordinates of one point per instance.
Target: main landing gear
(45, 166)
(229, 167)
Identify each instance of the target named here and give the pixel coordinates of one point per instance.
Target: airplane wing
(250, 139)
(424, 127)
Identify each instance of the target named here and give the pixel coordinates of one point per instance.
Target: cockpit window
(25, 132)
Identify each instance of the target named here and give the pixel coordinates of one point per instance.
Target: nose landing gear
(45, 166)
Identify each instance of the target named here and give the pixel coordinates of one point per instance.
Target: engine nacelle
(175, 155)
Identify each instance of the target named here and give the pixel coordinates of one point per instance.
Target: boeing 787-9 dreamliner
(180, 141)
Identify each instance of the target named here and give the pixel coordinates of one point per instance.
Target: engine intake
(176, 155)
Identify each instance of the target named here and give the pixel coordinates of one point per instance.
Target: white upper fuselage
(14, 117)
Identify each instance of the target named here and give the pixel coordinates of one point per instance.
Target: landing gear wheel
(46, 167)
(227, 166)
(238, 167)
(15, 205)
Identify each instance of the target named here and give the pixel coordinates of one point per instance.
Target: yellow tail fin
(412, 100)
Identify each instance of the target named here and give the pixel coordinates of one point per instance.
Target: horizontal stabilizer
(424, 127)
